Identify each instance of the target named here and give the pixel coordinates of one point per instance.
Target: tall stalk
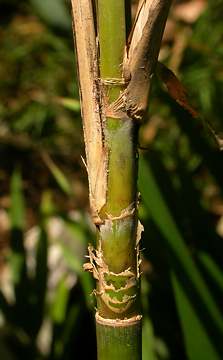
(114, 87)
(117, 237)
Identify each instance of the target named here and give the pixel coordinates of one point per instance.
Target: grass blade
(181, 259)
(197, 342)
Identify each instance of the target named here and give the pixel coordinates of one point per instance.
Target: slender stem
(111, 103)
(117, 237)
(111, 21)
(112, 29)
(119, 342)
(119, 285)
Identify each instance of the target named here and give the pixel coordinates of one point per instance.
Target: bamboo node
(114, 81)
(127, 212)
(134, 320)
(117, 290)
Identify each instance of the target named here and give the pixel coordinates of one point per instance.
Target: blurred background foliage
(46, 311)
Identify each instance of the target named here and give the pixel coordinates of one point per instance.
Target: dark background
(46, 311)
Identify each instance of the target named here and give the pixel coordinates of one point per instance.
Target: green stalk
(119, 338)
(119, 342)
(113, 102)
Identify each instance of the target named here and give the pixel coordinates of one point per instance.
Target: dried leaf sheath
(90, 107)
(140, 58)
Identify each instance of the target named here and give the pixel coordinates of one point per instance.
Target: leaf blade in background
(70, 104)
(17, 208)
(212, 269)
(58, 175)
(181, 258)
(17, 222)
(40, 280)
(59, 305)
(53, 12)
(75, 263)
(147, 340)
(197, 342)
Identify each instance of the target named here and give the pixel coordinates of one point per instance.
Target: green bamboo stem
(119, 342)
(112, 101)
(118, 339)
(118, 236)
(112, 39)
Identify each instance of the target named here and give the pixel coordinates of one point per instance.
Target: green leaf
(59, 306)
(40, 279)
(47, 207)
(41, 262)
(17, 209)
(57, 173)
(62, 341)
(16, 261)
(152, 347)
(198, 344)
(54, 12)
(72, 259)
(182, 261)
(17, 219)
(70, 104)
(75, 263)
(212, 269)
(148, 340)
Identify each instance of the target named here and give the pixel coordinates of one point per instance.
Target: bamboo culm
(114, 76)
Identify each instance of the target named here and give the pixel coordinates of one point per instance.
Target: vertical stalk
(118, 320)
(113, 100)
